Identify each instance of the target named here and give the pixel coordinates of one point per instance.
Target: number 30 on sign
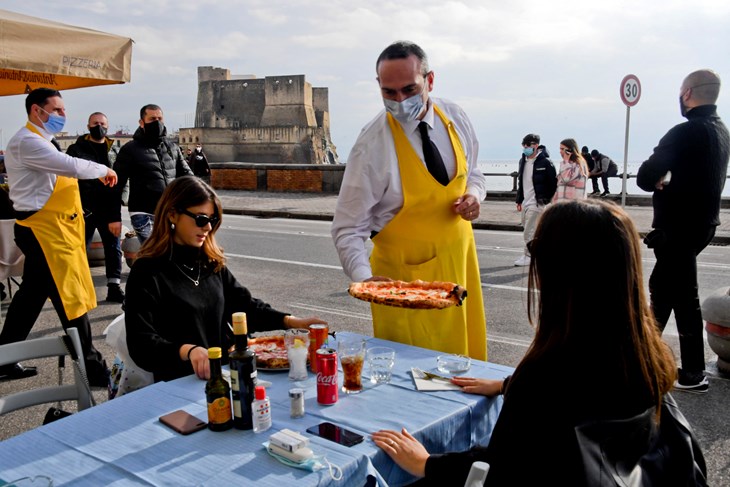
(630, 90)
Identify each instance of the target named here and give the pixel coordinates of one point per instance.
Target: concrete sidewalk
(495, 214)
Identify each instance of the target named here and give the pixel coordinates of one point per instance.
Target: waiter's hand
(377, 278)
(110, 179)
(115, 228)
(468, 207)
(291, 321)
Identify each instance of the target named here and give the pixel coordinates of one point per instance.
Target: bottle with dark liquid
(243, 374)
(218, 394)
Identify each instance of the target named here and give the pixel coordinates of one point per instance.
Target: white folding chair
(68, 344)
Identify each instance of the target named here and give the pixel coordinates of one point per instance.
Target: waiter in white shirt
(415, 201)
(49, 229)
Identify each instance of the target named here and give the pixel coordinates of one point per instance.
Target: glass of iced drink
(352, 356)
(297, 350)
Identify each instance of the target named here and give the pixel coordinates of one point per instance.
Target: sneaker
(523, 261)
(595, 192)
(115, 294)
(694, 383)
(605, 193)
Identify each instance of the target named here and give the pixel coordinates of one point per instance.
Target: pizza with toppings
(414, 295)
(270, 351)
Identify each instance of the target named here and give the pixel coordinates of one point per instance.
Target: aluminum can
(317, 338)
(326, 376)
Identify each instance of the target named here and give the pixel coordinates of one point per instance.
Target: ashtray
(453, 364)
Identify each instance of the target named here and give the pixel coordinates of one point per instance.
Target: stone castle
(275, 120)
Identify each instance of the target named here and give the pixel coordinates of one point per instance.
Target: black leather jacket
(149, 167)
(544, 180)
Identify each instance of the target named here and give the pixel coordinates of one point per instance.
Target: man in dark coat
(98, 200)
(687, 174)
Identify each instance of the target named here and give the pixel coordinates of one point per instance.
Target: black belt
(22, 215)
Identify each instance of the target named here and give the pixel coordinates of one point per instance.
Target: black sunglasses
(202, 220)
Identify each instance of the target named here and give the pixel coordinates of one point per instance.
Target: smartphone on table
(338, 434)
(183, 422)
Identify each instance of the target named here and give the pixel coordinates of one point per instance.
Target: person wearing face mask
(413, 187)
(536, 186)
(49, 229)
(686, 173)
(150, 162)
(98, 200)
(198, 162)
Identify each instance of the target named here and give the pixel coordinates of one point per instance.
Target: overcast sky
(552, 68)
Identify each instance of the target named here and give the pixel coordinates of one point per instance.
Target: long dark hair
(608, 318)
(183, 193)
(575, 155)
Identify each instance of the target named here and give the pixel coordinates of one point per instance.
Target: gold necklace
(194, 281)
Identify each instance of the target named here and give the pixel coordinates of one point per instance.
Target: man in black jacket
(150, 162)
(687, 174)
(603, 167)
(536, 185)
(98, 200)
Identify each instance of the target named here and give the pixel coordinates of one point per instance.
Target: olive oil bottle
(218, 394)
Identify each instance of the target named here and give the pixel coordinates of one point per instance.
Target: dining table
(122, 441)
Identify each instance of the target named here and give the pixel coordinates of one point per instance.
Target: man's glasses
(202, 220)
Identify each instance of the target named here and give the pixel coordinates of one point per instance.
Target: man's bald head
(705, 86)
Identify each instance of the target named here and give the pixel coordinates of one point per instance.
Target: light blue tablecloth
(121, 442)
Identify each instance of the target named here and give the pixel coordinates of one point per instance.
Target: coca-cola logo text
(326, 379)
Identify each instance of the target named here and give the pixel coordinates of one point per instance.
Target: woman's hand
(198, 359)
(484, 387)
(291, 321)
(405, 450)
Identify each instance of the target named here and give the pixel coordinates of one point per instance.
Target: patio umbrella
(38, 53)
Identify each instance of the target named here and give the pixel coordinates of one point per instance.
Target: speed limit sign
(630, 90)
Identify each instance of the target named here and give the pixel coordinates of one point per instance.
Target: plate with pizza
(414, 294)
(270, 350)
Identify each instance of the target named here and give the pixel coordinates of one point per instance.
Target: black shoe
(100, 381)
(115, 294)
(595, 192)
(16, 371)
(694, 383)
(605, 193)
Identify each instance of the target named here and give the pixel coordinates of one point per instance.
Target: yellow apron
(59, 228)
(427, 240)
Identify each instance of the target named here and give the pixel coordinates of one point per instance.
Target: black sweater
(165, 310)
(97, 198)
(696, 152)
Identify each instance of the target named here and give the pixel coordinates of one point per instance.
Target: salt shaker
(297, 402)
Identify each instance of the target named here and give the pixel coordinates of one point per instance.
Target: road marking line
(284, 261)
(503, 286)
(333, 311)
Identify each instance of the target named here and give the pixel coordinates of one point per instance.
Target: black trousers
(673, 287)
(37, 286)
(112, 247)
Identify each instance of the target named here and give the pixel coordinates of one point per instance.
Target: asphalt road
(292, 264)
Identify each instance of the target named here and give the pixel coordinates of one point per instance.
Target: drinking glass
(297, 350)
(352, 356)
(381, 361)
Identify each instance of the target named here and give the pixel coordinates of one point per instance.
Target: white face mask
(406, 110)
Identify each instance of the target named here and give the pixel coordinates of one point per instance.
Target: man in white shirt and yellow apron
(49, 229)
(416, 203)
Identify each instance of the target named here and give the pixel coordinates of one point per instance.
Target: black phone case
(338, 434)
(183, 422)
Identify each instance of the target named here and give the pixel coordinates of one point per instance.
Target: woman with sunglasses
(582, 367)
(181, 295)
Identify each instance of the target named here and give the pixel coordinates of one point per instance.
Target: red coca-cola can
(317, 338)
(326, 376)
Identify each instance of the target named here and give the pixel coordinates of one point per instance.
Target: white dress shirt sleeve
(39, 154)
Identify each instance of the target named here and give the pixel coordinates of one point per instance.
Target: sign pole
(626, 157)
(630, 94)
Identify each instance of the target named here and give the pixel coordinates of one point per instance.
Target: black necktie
(432, 156)
(56, 144)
